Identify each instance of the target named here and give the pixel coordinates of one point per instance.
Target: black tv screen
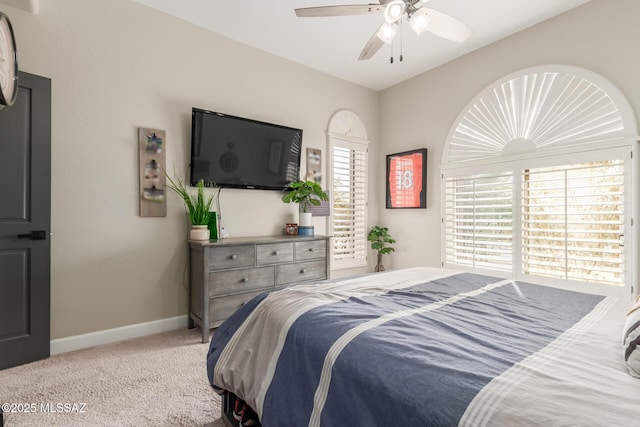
(236, 152)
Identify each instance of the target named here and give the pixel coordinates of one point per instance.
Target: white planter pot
(199, 232)
(305, 219)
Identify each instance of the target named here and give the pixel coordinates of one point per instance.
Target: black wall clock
(8, 63)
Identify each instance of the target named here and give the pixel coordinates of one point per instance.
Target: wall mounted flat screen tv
(236, 152)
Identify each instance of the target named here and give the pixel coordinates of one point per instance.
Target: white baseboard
(77, 342)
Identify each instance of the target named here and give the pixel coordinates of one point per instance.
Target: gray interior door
(25, 217)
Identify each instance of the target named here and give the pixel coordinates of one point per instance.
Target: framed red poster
(407, 179)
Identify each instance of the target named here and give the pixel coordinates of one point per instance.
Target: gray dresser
(229, 272)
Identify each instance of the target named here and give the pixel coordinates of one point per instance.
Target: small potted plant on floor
(305, 193)
(198, 206)
(380, 241)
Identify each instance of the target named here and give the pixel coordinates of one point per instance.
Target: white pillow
(631, 339)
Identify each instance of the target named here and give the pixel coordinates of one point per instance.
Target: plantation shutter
(569, 137)
(479, 221)
(573, 222)
(348, 203)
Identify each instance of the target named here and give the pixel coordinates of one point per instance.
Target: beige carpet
(159, 380)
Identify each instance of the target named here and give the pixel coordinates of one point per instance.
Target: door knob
(34, 235)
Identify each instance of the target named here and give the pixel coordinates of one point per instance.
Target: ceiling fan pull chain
(391, 59)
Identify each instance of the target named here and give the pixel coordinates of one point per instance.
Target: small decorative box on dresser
(229, 272)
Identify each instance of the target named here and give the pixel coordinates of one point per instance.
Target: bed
(427, 347)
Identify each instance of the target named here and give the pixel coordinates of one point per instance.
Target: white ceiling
(32, 6)
(333, 44)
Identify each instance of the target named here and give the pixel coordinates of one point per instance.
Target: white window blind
(348, 203)
(570, 139)
(479, 220)
(562, 223)
(573, 222)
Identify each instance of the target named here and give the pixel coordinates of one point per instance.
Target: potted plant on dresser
(198, 206)
(305, 193)
(380, 238)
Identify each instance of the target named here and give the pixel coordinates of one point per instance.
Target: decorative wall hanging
(314, 165)
(153, 200)
(407, 179)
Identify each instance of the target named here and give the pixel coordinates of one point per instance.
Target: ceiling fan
(420, 18)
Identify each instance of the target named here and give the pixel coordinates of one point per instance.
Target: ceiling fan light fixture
(387, 32)
(419, 20)
(394, 10)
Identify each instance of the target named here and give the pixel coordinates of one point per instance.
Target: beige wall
(115, 66)
(601, 36)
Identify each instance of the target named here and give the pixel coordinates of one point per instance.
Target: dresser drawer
(272, 253)
(301, 272)
(231, 256)
(246, 279)
(311, 250)
(223, 307)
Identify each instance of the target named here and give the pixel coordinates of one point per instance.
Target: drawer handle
(233, 257)
(276, 252)
(303, 271)
(310, 249)
(244, 280)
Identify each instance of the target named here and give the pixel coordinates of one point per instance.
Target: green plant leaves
(305, 193)
(380, 238)
(198, 206)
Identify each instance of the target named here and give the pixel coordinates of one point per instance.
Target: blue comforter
(404, 348)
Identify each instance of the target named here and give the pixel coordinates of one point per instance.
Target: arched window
(537, 181)
(348, 165)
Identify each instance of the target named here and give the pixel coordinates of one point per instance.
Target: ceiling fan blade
(446, 26)
(353, 9)
(372, 47)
